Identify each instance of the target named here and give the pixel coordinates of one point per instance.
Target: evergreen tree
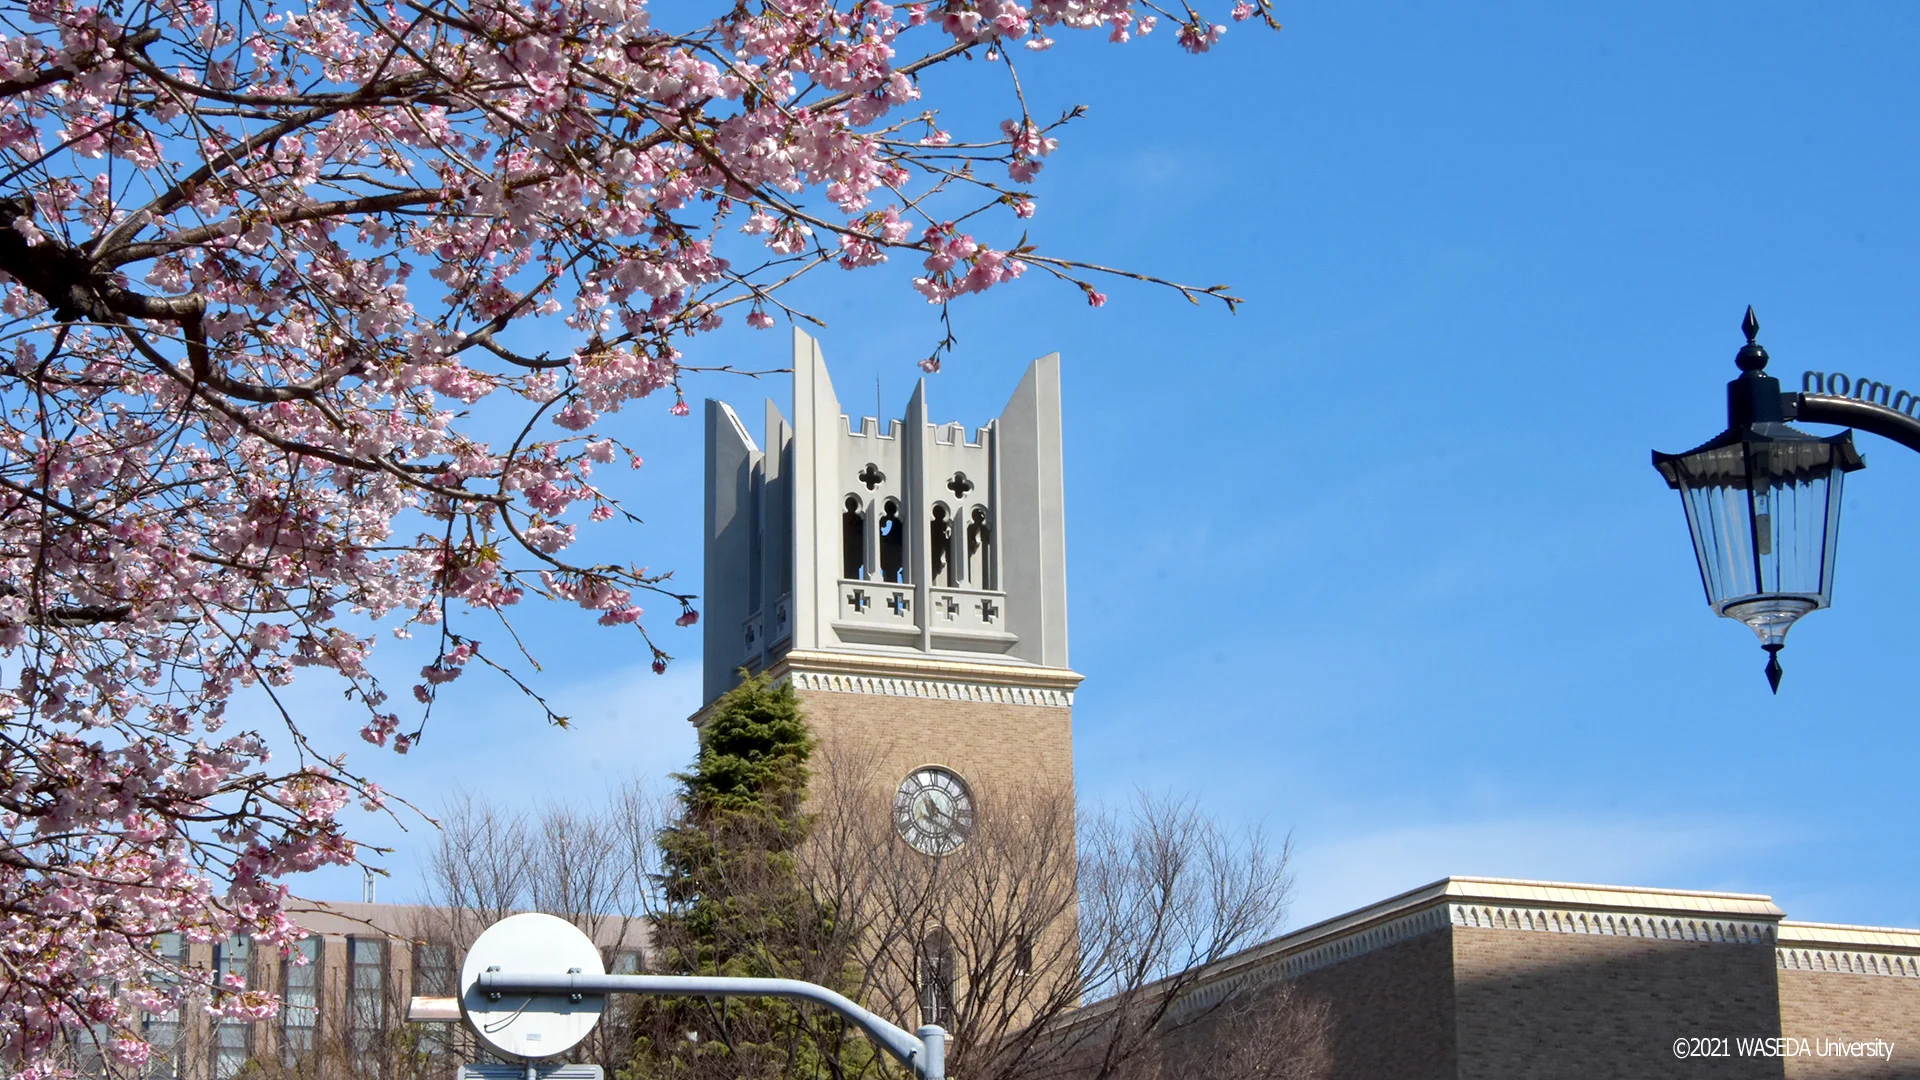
(733, 904)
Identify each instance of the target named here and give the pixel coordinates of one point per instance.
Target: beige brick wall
(1547, 1006)
(1821, 1005)
(998, 749)
(1391, 1011)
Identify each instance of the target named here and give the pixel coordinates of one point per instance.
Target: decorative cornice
(1494, 904)
(938, 689)
(1292, 965)
(1640, 924)
(924, 667)
(1529, 905)
(1849, 950)
(1850, 963)
(920, 676)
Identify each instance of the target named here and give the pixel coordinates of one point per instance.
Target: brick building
(346, 994)
(1487, 977)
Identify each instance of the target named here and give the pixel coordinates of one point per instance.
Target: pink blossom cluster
(957, 264)
(271, 275)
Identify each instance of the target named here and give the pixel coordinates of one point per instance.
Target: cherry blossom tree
(282, 282)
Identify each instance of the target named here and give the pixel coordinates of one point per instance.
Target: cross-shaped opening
(899, 603)
(959, 485)
(989, 610)
(949, 607)
(859, 600)
(871, 476)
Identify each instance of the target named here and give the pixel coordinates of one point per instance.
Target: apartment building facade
(346, 989)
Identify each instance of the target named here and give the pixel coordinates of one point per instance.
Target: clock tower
(909, 580)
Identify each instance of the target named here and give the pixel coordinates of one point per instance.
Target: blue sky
(1381, 559)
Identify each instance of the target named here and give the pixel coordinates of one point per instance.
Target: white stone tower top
(916, 542)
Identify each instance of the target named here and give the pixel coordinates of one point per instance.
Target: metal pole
(934, 1038)
(925, 1054)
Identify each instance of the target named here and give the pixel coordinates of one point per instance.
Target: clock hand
(949, 821)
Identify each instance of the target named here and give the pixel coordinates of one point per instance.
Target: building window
(366, 1000)
(625, 962)
(232, 1039)
(300, 990)
(1022, 956)
(162, 1030)
(934, 978)
(433, 974)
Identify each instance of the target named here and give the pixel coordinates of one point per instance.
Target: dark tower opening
(980, 551)
(853, 541)
(940, 534)
(893, 544)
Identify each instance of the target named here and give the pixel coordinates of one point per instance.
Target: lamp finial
(1752, 356)
(1774, 670)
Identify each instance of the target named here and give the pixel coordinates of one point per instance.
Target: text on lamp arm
(1862, 388)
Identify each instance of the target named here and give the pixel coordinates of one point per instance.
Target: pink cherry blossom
(1198, 37)
(262, 268)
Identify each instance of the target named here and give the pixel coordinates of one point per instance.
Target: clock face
(933, 810)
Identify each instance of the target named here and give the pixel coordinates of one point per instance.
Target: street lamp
(1762, 498)
(532, 987)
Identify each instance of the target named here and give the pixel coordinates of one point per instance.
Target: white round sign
(530, 1026)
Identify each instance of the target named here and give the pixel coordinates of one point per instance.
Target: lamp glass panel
(1764, 518)
(1713, 489)
(1795, 492)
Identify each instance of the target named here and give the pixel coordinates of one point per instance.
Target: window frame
(357, 1025)
(224, 955)
(316, 964)
(933, 962)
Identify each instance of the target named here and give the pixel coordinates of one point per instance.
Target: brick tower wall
(999, 749)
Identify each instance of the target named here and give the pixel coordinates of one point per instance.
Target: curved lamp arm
(924, 1052)
(1852, 412)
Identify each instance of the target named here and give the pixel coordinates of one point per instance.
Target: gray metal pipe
(925, 1053)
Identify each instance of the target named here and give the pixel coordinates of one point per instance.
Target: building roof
(412, 921)
(1485, 903)
(1496, 897)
